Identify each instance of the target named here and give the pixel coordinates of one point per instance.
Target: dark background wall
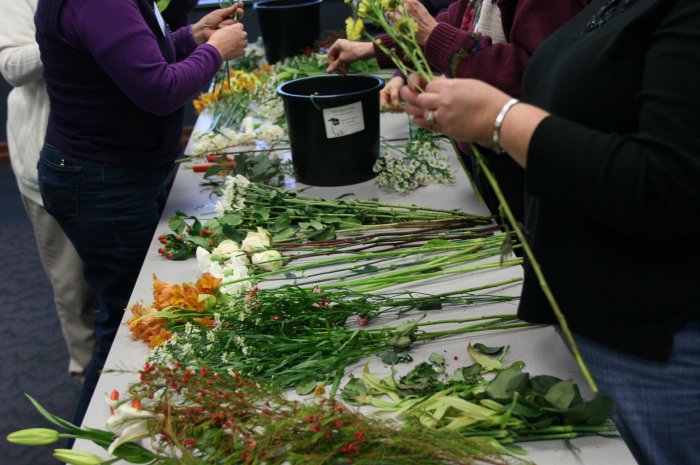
(333, 14)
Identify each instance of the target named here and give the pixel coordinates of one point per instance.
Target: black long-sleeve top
(613, 176)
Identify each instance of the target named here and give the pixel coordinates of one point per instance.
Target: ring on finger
(430, 117)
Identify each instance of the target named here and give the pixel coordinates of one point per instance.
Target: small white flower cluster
(229, 261)
(233, 195)
(208, 142)
(422, 163)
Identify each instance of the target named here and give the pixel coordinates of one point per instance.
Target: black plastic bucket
(288, 26)
(333, 127)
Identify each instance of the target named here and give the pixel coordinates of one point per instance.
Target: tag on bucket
(343, 121)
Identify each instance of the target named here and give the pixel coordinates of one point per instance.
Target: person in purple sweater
(118, 80)
(482, 39)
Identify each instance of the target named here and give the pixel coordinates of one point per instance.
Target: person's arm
(20, 62)
(458, 53)
(646, 181)
(115, 33)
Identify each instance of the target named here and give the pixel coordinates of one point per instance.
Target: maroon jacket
(458, 53)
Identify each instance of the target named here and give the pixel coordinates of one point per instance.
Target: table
(540, 348)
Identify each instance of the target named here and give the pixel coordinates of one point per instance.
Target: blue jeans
(109, 213)
(656, 404)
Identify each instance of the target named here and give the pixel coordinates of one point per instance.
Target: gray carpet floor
(33, 356)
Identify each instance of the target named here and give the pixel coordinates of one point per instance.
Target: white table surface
(540, 348)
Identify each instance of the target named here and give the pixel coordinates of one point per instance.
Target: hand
(389, 97)
(203, 29)
(425, 21)
(230, 41)
(464, 109)
(343, 52)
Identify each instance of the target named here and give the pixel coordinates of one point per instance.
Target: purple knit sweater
(460, 53)
(117, 82)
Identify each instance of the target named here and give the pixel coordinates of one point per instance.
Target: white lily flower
(268, 260)
(129, 424)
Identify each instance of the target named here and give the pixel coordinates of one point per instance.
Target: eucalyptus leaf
(389, 357)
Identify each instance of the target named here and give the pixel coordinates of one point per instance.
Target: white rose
(229, 249)
(256, 241)
(268, 260)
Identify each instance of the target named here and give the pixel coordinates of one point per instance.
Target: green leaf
(543, 383)
(437, 360)
(486, 362)
(284, 235)
(317, 225)
(389, 357)
(430, 305)
(281, 223)
(306, 387)
(506, 383)
(231, 219)
(260, 212)
(561, 395)
(200, 241)
(325, 234)
(232, 233)
(354, 388)
(176, 224)
(593, 412)
(488, 350)
(213, 171)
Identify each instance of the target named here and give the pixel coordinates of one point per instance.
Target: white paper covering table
(541, 349)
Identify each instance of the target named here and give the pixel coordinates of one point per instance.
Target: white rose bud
(256, 241)
(268, 260)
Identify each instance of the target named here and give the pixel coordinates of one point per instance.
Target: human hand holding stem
(403, 30)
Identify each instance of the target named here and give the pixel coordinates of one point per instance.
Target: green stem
(536, 268)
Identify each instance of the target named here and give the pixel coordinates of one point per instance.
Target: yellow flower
(363, 9)
(353, 29)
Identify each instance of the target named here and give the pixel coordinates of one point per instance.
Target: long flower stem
(536, 268)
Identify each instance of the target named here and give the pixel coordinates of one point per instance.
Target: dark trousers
(109, 213)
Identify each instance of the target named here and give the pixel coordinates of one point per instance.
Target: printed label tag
(343, 121)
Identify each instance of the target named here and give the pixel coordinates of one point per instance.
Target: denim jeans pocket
(59, 184)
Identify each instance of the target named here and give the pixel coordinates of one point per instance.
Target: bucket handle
(313, 102)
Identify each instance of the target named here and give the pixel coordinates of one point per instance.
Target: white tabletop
(540, 348)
